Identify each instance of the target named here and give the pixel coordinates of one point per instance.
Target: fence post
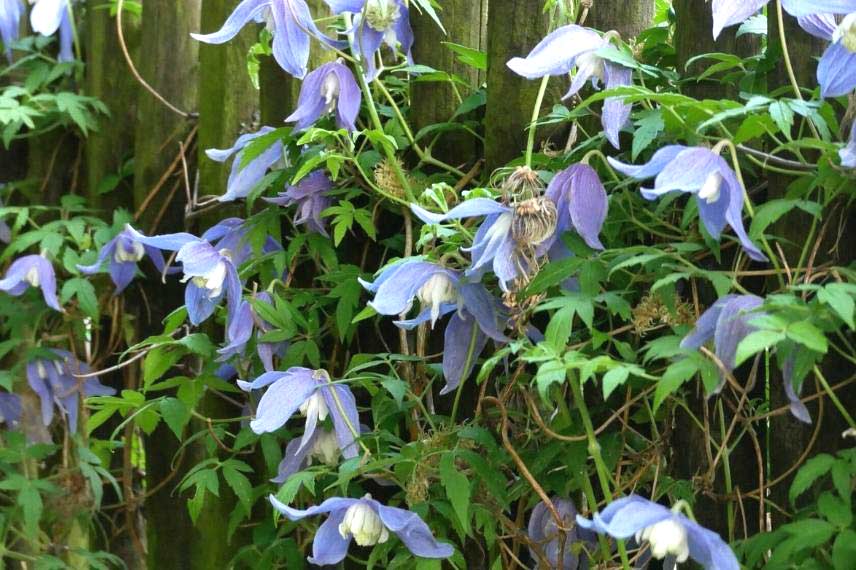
(627, 17)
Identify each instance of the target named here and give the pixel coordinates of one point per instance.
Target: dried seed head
(523, 183)
(534, 221)
(386, 177)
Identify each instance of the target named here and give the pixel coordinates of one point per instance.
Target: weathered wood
(513, 29)
(465, 22)
(627, 17)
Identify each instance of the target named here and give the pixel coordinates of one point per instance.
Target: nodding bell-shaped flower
(546, 537)
(669, 533)
(10, 409)
(367, 522)
(329, 89)
(289, 21)
(124, 253)
(314, 394)
(32, 271)
(703, 173)
(386, 21)
(575, 46)
(243, 178)
(48, 16)
(10, 24)
(848, 153)
(323, 445)
(440, 291)
(311, 195)
(241, 328)
(732, 12)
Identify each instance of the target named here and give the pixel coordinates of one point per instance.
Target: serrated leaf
(839, 297)
(811, 471)
(613, 379)
(457, 489)
(239, 483)
(756, 342)
(676, 375)
(176, 415)
(808, 335)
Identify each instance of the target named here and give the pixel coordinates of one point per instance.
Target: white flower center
(122, 255)
(330, 91)
(363, 523)
(710, 190)
(591, 64)
(326, 447)
(666, 537)
(214, 279)
(32, 277)
(40, 370)
(437, 290)
(846, 32)
(316, 405)
(381, 14)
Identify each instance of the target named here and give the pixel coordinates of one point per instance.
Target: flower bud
(316, 405)
(437, 290)
(710, 190)
(364, 524)
(326, 448)
(667, 537)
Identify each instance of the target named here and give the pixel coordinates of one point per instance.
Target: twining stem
(471, 348)
(829, 392)
(536, 111)
(594, 452)
(726, 466)
(786, 56)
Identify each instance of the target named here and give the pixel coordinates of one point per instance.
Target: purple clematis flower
(10, 409)
(386, 21)
(581, 205)
(575, 46)
(367, 522)
(848, 153)
(322, 445)
(728, 321)
(836, 72)
(47, 17)
(10, 21)
(544, 533)
(704, 174)
(668, 532)
(54, 383)
(241, 328)
(210, 270)
(244, 177)
(124, 254)
(315, 395)
(289, 21)
(312, 197)
(731, 12)
(441, 291)
(32, 271)
(329, 89)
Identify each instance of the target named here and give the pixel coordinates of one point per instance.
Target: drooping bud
(437, 290)
(326, 447)
(846, 32)
(710, 190)
(316, 405)
(364, 524)
(382, 14)
(667, 537)
(534, 221)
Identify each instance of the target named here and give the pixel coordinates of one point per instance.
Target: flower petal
(836, 72)
(293, 459)
(848, 153)
(329, 547)
(343, 424)
(616, 113)
(798, 8)
(463, 343)
(290, 42)
(730, 12)
(46, 16)
(707, 548)
(556, 54)
(798, 408)
(413, 532)
(170, 242)
(821, 26)
(625, 517)
(651, 168)
(282, 399)
(588, 204)
(705, 327)
(468, 209)
(242, 15)
(397, 291)
(330, 505)
(733, 326)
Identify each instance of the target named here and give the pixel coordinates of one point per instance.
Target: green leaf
(649, 125)
(469, 56)
(844, 550)
(613, 379)
(834, 510)
(292, 485)
(756, 342)
(30, 501)
(676, 375)
(85, 294)
(783, 115)
(814, 468)
(808, 335)
(457, 489)
(549, 373)
(239, 483)
(176, 415)
(158, 361)
(839, 297)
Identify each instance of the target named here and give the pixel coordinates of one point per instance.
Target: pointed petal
(413, 532)
(556, 54)
(199, 305)
(848, 153)
(468, 209)
(328, 506)
(821, 26)
(46, 16)
(733, 326)
(290, 43)
(616, 113)
(798, 8)
(425, 317)
(706, 324)
(463, 344)
(588, 204)
(170, 242)
(344, 435)
(122, 273)
(734, 215)
(106, 251)
(625, 517)
(707, 548)
(798, 408)
(292, 460)
(730, 12)
(339, 6)
(242, 15)
(481, 305)
(651, 168)
(281, 400)
(350, 98)
(310, 102)
(396, 292)
(836, 72)
(328, 547)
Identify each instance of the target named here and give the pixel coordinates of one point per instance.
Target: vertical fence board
(627, 17)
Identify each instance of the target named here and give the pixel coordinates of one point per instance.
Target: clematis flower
(544, 533)
(124, 253)
(289, 21)
(440, 291)
(848, 153)
(315, 395)
(704, 174)
(581, 205)
(5, 230)
(575, 46)
(32, 271)
(243, 178)
(210, 272)
(10, 409)
(47, 17)
(322, 445)
(311, 197)
(54, 383)
(10, 21)
(668, 532)
(240, 329)
(367, 522)
(836, 72)
(329, 89)
(731, 12)
(386, 21)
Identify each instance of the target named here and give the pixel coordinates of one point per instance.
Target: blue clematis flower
(54, 383)
(289, 21)
(728, 321)
(668, 532)
(243, 178)
(848, 153)
(732, 12)
(441, 291)
(47, 17)
(312, 197)
(377, 22)
(322, 445)
(704, 174)
(124, 253)
(10, 22)
(575, 46)
(241, 328)
(32, 271)
(331, 88)
(367, 522)
(315, 395)
(836, 72)
(546, 536)
(10, 409)
(209, 270)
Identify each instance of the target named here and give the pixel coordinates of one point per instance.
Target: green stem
(789, 67)
(726, 466)
(829, 392)
(471, 348)
(536, 111)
